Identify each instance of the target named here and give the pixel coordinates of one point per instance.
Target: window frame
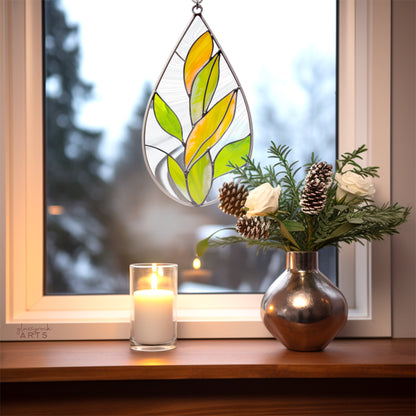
(26, 314)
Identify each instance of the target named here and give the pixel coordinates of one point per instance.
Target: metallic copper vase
(303, 308)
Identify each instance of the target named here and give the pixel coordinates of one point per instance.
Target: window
(104, 210)
(363, 26)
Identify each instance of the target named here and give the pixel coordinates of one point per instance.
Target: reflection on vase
(303, 308)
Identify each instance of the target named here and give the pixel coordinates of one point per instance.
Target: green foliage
(369, 222)
(349, 160)
(340, 221)
(261, 244)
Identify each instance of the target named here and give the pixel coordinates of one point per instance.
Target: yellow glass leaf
(211, 127)
(197, 57)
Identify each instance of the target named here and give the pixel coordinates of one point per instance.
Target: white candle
(153, 316)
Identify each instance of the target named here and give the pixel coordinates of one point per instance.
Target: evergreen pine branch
(369, 223)
(367, 171)
(314, 159)
(290, 188)
(349, 159)
(262, 244)
(339, 221)
(251, 174)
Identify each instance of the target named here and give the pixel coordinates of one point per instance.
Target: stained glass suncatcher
(197, 121)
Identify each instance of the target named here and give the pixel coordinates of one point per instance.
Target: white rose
(263, 200)
(352, 185)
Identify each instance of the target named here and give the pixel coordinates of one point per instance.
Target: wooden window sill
(205, 359)
(208, 377)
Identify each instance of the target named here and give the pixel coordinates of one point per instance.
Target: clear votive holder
(153, 296)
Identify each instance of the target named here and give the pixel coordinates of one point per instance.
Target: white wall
(404, 164)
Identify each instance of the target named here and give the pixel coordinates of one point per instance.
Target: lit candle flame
(154, 281)
(196, 263)
(154, 276)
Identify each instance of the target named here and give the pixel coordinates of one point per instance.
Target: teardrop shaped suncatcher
(197, 123)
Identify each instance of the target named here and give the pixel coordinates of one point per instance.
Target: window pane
(102, 58)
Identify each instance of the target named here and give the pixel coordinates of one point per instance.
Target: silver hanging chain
(197, 8)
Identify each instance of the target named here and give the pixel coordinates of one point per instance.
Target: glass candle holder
(153, 294)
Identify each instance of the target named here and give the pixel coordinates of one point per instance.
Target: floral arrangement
(276, 210)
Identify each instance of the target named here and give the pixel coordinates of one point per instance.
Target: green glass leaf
(178, 176)
(212, 82)
(167, 118)
(200, 179)
(203, 88)
(231, 153)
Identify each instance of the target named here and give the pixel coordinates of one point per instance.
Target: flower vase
(303, 308)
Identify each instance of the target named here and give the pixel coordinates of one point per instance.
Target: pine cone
(256, 228)
(232, 199)
(321, 172)
(317, 182)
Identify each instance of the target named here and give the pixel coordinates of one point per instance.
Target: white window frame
(26, 314)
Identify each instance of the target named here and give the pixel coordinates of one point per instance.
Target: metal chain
(197, 9)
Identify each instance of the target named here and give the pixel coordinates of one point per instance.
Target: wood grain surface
(208, 377)
(204, 359)
(359, 397)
